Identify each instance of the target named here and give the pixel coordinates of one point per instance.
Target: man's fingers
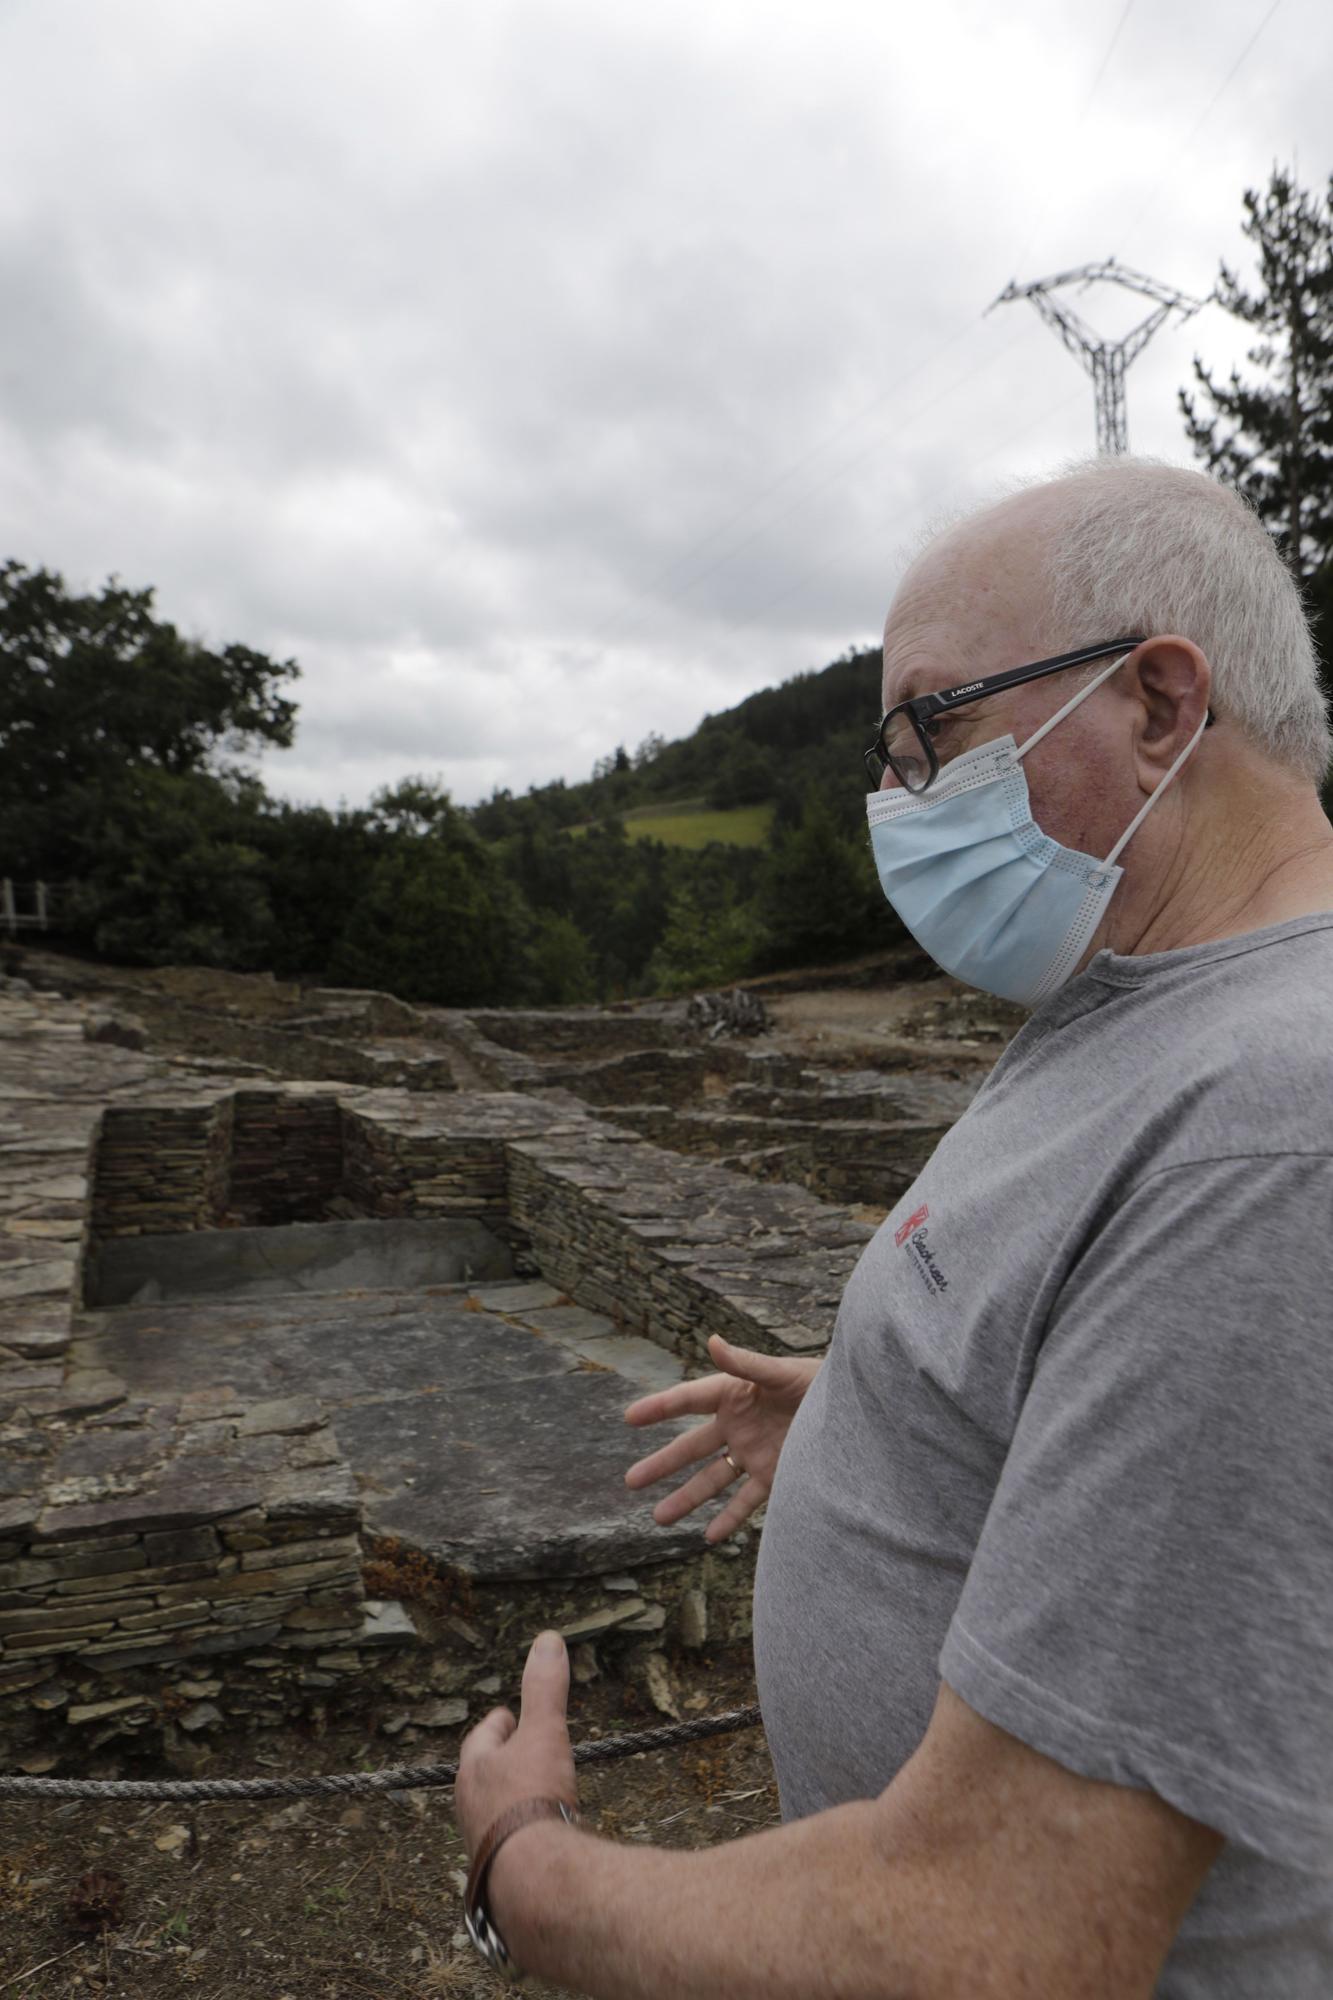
(768, 1370)
(707, 1483)
(687, 1399)
(546, 1680)
(749, 1496)
(701, 1442)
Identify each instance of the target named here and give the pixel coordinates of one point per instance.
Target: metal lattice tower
(1105, 360)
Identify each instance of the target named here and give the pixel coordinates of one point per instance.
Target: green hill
(772, 749)
(735, 850)
(693, 823)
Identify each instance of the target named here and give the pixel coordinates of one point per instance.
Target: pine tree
(819, 897)
(1273, 439)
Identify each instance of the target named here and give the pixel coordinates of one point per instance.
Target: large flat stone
(189, 1493)
(285, 1416)
(515, 1475)
(19, 1514)
(640, 1362)
(518, 1299)
(570, 1324)
(477, 1439)
(339, 1349)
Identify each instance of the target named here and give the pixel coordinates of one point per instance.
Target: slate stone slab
(33, 1280)
(519, 1299)
(343, 1350)
(188, 1494)
(568, 1324)
(514, 1476)
(640, 1362)
(97, 1453)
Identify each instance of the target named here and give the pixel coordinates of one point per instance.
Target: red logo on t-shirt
(901, 1234)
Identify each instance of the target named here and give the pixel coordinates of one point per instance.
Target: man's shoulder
(1230, 1050)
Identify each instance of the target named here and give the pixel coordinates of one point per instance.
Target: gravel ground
(333, 1900)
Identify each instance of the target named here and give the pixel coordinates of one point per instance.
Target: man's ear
(1172, 681)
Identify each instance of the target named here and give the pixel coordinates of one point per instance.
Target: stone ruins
(318, 1321)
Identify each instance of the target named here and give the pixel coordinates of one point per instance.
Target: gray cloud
(540, 377)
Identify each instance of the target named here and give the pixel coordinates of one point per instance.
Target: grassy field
(690, 823)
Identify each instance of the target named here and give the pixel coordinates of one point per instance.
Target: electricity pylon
(1105, 360)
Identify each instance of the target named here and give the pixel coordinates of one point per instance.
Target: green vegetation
(685, 864)
(692, 824)
(1272, 438)
(737, 826)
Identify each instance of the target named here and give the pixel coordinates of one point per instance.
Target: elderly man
(1044, 1606)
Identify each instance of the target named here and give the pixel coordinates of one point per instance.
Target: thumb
(546, 1680)
(767, 1370)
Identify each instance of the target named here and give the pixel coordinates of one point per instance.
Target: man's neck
(1246, 872)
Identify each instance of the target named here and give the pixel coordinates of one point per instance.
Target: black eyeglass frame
(921, 709)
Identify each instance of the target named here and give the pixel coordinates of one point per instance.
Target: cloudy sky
(542, 373)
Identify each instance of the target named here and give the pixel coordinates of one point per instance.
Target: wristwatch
(476, 1911)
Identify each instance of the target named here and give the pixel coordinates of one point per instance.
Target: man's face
(974, 605)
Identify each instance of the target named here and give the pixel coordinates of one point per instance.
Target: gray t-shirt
(1072, 1446)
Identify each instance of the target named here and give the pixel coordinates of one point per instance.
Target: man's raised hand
(749, 1405)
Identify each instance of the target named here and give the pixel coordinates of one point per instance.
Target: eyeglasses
(904, 742)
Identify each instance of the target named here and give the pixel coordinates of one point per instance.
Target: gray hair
(1137, 545)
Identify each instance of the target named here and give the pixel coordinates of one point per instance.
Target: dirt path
(927, 1023)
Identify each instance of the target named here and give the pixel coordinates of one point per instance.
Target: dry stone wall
(673, 1248)
(181, 1531)
(161, 1167)
(860, 1137)
(399, 1164)
(851, 1160)
(240, 1156)
(678, 1249)
(286, 1157)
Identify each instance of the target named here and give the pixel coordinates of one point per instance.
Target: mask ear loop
(1070, 706)
(1153, 797)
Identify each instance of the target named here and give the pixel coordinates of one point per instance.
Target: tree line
(122, 779)
(122, 783)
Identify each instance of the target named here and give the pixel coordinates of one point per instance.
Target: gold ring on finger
(738, 1471)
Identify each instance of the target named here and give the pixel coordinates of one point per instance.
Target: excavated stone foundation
(296, 1375)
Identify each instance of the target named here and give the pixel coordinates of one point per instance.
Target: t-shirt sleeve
(1151, 1599)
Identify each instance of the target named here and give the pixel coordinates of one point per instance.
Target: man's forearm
(804, 1911)
(984, 1869)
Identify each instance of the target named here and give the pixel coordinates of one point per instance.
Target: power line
(924, 503)
(720, 528)
(1075, 122)
(1201, 120)
(1104, 64)
(708, 539)
(840, 470)
(858, 417)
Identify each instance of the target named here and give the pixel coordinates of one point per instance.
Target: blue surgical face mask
(993, 899)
